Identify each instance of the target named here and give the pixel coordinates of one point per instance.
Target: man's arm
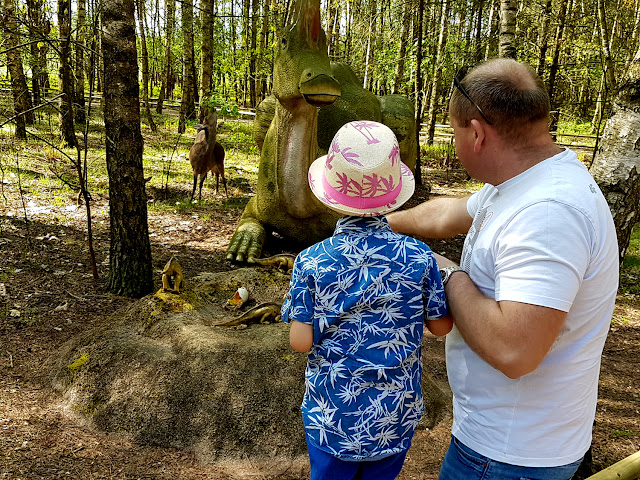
(443, 217)
(512, 337)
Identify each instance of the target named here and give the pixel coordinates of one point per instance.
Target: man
(533, 298)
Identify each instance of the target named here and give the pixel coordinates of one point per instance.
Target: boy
(358, 301)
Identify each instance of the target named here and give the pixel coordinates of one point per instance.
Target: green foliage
(224, 107)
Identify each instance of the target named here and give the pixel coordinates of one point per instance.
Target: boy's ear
(479, 134)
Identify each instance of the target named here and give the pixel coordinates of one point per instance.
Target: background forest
(94, 93)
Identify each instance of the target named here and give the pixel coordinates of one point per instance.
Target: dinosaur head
(301, 67)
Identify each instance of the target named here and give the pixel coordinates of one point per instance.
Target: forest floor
(48, 295)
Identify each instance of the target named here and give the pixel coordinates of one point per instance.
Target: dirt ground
(47, 295)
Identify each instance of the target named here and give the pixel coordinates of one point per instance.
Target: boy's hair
(510, 94)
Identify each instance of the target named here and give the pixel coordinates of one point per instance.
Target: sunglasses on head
(457, 82)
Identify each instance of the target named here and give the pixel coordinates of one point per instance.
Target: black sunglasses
(458, 84)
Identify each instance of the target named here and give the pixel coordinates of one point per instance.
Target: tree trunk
(402, 50)
(166, 77)
(253, 57)
(437, 73)
(494, 20)
(80, 51)
(543, 39)
(36, 34)
(206, 51)
(608, 67)
(19, 89)
(131, 271)
(371, 45)
(616, 166)
(508, 12)
(264, 41)
(555, 66)
(418, 105)
(145, 64)
(187, 105)
(67, 125)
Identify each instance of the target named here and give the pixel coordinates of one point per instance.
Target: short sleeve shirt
(367, 291)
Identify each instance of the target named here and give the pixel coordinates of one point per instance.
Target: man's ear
(479, 133)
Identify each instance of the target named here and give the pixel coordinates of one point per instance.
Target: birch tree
(616, 166)
(168, 32)
(508, 11)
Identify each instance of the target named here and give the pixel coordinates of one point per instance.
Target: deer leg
(195, 182)
(217, 182)
(201, 182)
(224, 184)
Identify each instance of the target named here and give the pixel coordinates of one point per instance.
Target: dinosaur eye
(283, 42)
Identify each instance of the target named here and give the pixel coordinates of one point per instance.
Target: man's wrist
(446, 273)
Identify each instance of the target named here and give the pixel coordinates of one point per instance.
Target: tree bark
(19, 89)
(145, 64)
(253, 55)
(508, 12)
(418, 105)
(543, 39)
(130, 252)
(206, 51)
(168, 32)
(616, 166)
(555, 66)
(608, 67)
(437, 73)
(187, 105)
(37, 35)
(67, 124)
(78, 91)
(402, 50)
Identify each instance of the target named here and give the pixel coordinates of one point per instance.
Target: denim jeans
(325, 466)
(462, 463)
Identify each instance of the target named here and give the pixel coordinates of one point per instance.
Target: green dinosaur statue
(292, 132)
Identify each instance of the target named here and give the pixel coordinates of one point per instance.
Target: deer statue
(288, 129)
(207, 155)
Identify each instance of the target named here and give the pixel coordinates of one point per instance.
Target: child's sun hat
(362, 174)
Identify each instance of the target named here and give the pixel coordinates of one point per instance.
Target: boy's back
(366, 290)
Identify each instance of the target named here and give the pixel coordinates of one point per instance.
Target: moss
(79, 362)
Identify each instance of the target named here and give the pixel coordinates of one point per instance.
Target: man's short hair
(510, 94)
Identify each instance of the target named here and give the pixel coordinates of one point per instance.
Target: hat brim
(316, 171)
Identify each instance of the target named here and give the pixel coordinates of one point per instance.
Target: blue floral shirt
(366, 290)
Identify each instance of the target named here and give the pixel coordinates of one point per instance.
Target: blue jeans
(325, 466)
(462, 463)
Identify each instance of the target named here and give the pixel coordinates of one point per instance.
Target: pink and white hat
(362, 174)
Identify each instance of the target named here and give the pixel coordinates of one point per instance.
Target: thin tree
(419, 93)
(145, 64)
(168, 32)
(35, 9)
(508, 11)
(402, 49)
(80, 59)
(616, 166)
(543, 38)
(555, 66)
(253, 54)
(206, 51)
(21, 97)
(187, 104)
(67, 127)
(607, 60)
(130, 263)
(437, 72)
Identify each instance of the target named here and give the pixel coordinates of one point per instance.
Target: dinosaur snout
(319, 89)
